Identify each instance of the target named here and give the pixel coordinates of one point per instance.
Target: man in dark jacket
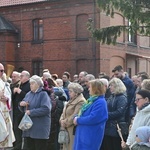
(14, 83)
(18, 94)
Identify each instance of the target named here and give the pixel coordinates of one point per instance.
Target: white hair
(104, 81)
(46, 75)
(59, 82)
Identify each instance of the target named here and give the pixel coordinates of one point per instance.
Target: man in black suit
(18, 94)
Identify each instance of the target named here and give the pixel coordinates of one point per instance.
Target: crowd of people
(99, 113)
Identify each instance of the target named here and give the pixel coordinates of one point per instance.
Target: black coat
(86, 92)
(17, 98)
(117, 105)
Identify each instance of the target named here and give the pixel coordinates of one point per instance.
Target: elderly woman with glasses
(142, 117)
(70, 110)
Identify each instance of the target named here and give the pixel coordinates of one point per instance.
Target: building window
(37, 67)
(132, 38)
(81, 28)
(38, 30)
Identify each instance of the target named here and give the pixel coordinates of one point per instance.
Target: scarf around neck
(87, 104)
(145, 105)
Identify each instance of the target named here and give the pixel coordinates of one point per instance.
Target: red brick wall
(60, 51)
(7, 48)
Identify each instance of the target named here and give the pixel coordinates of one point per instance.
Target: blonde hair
(119, 86)
(98, 87)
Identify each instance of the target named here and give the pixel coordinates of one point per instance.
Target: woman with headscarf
(39, 110)
(71, 108)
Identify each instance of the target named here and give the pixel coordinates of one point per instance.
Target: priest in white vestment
(5, 107)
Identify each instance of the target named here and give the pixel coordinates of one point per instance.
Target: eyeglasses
(137, 99)
(1, 70)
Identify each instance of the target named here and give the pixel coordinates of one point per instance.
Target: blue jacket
(90, 126)
(130, 98)
(40, 114)
(130, 88)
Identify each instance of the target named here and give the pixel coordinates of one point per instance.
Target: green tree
(136, 11)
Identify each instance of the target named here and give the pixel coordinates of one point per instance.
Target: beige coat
(72, 108)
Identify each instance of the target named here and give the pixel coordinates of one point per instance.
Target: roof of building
(6, 26)
(17, 2)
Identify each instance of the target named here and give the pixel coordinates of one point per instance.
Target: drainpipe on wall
(93, 41)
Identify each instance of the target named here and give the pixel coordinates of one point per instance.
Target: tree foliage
(136, 11)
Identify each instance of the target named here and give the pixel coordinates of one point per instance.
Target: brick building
(38, 34)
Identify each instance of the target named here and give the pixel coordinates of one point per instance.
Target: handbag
(124, 128)
(3, 128)
(26, 123)
(63, 136)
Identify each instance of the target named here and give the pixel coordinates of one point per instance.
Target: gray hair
(37, 79)
(47, 75)
(59, 82)
(90, 77)
(105, 81)
(76, 87)
(16, 73)
(26, 73)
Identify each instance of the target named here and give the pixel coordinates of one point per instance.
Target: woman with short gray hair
(77, 88)
(71, 109)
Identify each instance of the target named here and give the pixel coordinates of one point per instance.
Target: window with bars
(37, 67)
(38, 30)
